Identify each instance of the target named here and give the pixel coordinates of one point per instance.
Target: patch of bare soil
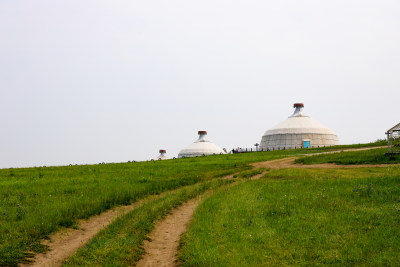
(64, 243)
(275, 164)
(162, 249)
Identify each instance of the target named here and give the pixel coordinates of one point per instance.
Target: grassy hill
(35, 202)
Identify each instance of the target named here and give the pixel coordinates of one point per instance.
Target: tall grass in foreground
(300, 217)
(373, 156)
(35, 202)
(120, 244)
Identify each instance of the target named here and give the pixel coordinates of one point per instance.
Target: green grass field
(379, 142)
(373, 156)
(120, 244)
(35, 202)
(300, 217)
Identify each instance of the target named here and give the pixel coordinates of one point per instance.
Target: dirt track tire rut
(162, 249)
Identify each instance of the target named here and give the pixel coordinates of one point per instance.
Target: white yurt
(298, 131)
(162, 154)
(201, 147)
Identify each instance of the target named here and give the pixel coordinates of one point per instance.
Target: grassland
(300, 217)
(120, 244)
(35, 202)
(373, 156)
(249, 173)
(379, 142)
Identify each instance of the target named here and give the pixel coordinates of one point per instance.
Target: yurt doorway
(306, 143)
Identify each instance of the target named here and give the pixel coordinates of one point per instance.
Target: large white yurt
(298, 131)
(201, 147)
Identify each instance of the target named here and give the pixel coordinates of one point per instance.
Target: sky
(112, 81)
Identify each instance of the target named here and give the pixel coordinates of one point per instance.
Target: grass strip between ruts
(120, 244)
(250, 173)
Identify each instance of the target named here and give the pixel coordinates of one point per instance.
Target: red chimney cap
(163, 151)
(202, 132)
(298, 105)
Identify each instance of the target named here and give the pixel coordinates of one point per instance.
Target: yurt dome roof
(201, 147)
(299, 123)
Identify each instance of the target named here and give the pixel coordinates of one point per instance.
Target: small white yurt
(162, 154)
(298, 131)
(201, 147)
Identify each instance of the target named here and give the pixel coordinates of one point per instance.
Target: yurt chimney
(162, 154)
(298, 109)
(202, 136)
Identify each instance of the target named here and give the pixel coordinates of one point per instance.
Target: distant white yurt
(162, 154)
(298, 131)
(201, 147)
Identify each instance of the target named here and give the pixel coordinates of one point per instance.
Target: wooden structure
(393, 138)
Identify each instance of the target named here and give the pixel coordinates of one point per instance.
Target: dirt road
(161, 250)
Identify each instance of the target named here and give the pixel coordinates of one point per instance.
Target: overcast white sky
(93, 81)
